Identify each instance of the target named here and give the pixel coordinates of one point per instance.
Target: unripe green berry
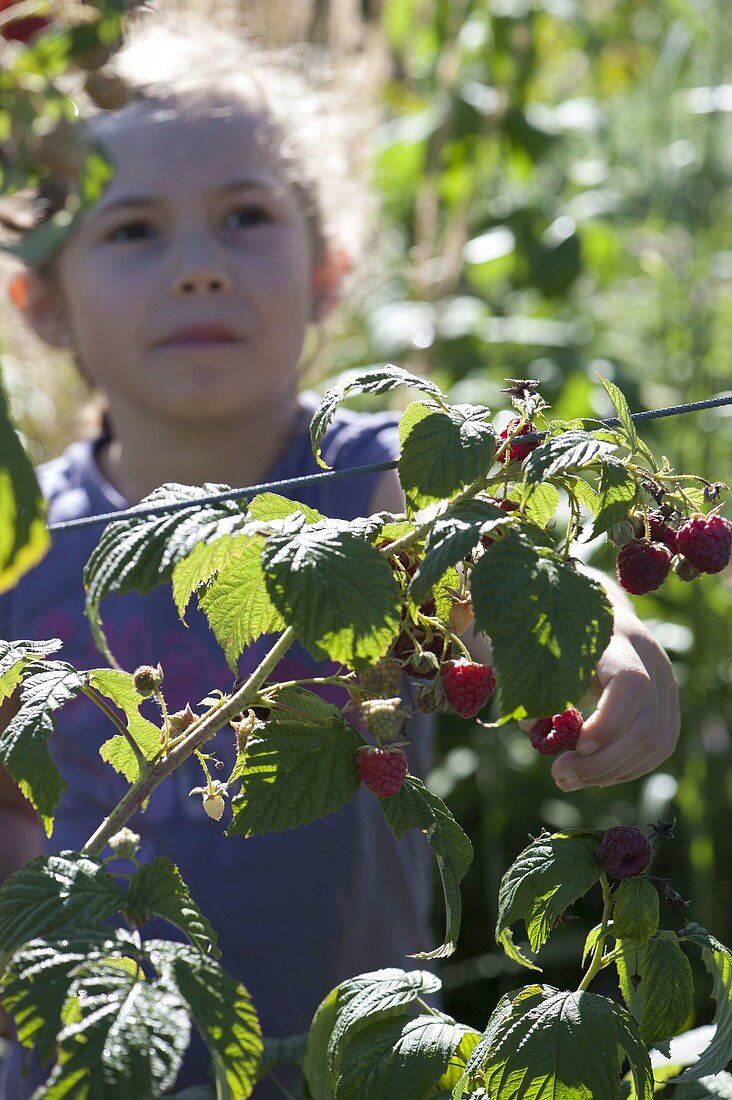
(148, 680)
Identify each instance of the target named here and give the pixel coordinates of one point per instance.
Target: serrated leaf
(617, 494)
(718, 961)
(302, 768)
(157, 888)
(545, 1042)
(120, 688)
(24, 538)
(376, 380)
(47, 686)
(456, 1065)
(336, 590)
(138, 553)
(621, 407)
(547, 877)
(126, 1039)
(442, 450)
(563, 454)
(583, 493)
(401, 1059)
(453, 535)
(635, 910)
(541, 503)
(549, 625)
(35, 986)
(367, 998)
(657, 985)
(415, 807)
(716, 1085)
(54, 894)
(315, 1063)
(272, 506)
(204, 561)
(14, 656)
(236, 603)
(222, 1012)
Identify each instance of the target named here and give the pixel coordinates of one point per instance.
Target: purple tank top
(296, 912)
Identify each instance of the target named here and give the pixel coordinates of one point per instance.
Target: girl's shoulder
(72, 486)
(368, 436)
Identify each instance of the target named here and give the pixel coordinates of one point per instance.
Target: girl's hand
(636, 724)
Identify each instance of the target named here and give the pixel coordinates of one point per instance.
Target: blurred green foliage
(556, 189)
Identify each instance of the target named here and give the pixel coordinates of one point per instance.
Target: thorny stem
(96, 698)
(202, 761)
(428, 1008)
(195, 737)
(597, 961)
(166, 721)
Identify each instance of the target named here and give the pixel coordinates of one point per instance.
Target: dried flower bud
(181, 720)
(125, 844)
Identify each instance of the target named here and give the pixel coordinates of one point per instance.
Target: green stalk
(161, 769)
(597, 962)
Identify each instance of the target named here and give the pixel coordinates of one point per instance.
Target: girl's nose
(203, 279)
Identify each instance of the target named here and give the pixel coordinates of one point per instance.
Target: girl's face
(187, 289)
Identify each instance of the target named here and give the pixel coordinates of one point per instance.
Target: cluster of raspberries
(701, 545)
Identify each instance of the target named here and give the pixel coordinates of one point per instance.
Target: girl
(186, 295)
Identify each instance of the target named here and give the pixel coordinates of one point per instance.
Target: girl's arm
(635, 725)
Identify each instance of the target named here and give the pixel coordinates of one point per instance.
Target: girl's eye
(130, 231)
(249, 215)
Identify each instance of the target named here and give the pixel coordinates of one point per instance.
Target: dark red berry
(661, 532)
(558, 733)
(21, 30)
(624, 851)
(467, 686)
(642, 566)
(517, 452)
(705, 541)
(382, 770)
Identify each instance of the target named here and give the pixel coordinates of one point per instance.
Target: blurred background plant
(555, 187)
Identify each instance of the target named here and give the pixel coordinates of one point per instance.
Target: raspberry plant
(275, 567)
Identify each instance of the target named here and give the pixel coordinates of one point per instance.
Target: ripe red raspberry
(624, 851)
(558, 733)
(705, 541)
(517, 452)
(382, 770)
(467, 686)
(661, 532)
(642, 566)
(21, 30)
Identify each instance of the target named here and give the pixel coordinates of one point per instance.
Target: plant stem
(99, 701)
(414, 536)
(161, 769)
(596, 963)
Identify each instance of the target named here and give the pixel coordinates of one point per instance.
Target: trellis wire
(353, 471)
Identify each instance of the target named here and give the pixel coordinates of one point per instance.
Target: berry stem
(597, 962)
(143, 787)
(99, 701)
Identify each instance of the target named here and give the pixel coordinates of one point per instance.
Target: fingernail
(586, 747)
(567, 780)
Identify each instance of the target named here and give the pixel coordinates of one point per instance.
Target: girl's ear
(328, 275)
(37, 299)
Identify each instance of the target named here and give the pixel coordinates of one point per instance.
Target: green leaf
(562, 454)
(718, 961)
(221, 1010)
(541, 503)
(236, 602)
(718, 1084)
(272, 506)
(120, 688)
(138, 553)
(376, 380)
(24, 539)
(302, 768)
(53, 895)
(315, 1063)
(549, 625)
(126, 1036)
(456, 1065)
(543, 1042)
(14, 656)
(157, 888)
(336, 590)
(443, 450)
(453, 535)
(657, 985)
(380, 995)
(546, 878)
(206, 560)
(36, 982)
(621, 407)
(617, 494)
(401, 1059)
(635, 910)
(415, 807)
(47, 686)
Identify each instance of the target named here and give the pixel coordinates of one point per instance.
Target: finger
(627, 687)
